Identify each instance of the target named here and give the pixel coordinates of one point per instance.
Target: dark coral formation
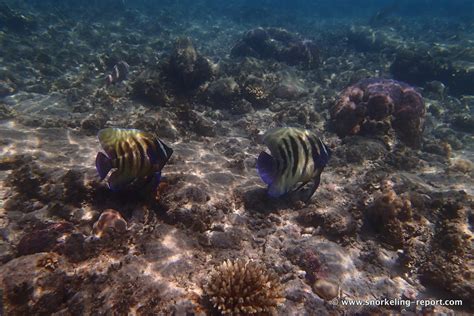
(448, 267)
(417, 61)
(379, 105)
(182, 73)
(150, 86)
(278, 44)
(244, 287)
(422, 67)
(33, 187)
(187, 68)
(33, 284)
(43, 240)
(27, 179)
(391, 215)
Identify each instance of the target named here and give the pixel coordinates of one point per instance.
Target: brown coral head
(109, 220)
(243, 287)
(370, 101)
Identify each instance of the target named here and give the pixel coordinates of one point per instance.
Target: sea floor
(387, 222)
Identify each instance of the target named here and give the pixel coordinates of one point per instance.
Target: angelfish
(119, 73)
(136, 156)
(298, 156)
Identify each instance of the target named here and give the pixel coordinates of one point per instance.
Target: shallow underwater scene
(236, 157)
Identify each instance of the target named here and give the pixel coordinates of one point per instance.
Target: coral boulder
(378, 105)
(187, 68)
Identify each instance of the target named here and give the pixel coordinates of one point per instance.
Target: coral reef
(210, 77)
(243, 287)
(377, 105)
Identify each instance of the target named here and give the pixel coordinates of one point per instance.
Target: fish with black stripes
(297, 156)
(136, 156)
(119, 73)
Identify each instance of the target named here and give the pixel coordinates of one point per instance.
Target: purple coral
(383, 104)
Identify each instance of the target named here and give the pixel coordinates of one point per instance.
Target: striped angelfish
(118, 74)
(297, 156)
(136, 156)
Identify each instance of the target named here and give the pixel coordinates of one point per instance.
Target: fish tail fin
(266, 168)
(103, 165)
(321, 159)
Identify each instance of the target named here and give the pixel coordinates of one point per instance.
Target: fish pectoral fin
(119, 180)
(103, 165)
(314, 187)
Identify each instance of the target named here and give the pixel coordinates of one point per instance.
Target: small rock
(43, 240)
(109, 220)
(224, 240)
(74, 247)
(326, 289)
(5, 112)
(223, 91)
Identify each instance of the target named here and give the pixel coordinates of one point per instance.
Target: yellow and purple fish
(136, 155)
(297, 156)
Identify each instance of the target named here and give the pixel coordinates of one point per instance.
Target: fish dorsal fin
(111, 138)
(272, 139)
